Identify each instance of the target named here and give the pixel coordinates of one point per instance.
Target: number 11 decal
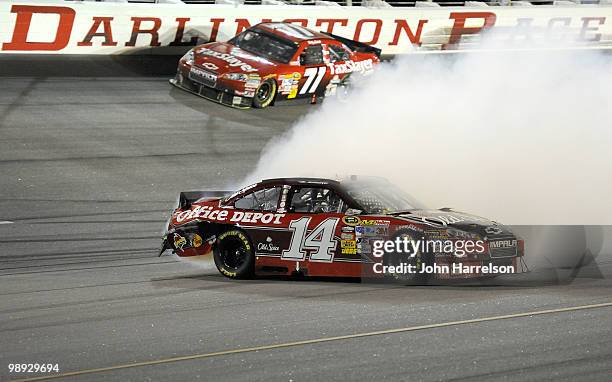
(320, 240)
(313, 79)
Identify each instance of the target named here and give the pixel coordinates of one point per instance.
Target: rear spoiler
(355, 45)
(186, 198)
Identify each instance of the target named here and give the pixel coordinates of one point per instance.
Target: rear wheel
(234, 255)
(264, 95)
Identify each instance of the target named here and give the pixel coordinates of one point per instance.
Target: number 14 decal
(320, 240)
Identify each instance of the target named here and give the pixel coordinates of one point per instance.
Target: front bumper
(220, 94)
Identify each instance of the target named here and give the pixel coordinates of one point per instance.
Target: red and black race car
(323, 227)
(272, 62)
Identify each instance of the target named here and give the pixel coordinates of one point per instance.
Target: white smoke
(522, 138)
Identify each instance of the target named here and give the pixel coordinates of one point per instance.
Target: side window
(262, 200)
(312, 55)
(338, 53)
(316, 200)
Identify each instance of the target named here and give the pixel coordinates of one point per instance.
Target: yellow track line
(315, 341)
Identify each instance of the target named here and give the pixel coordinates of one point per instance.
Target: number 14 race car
(272, 62)
(362, 227)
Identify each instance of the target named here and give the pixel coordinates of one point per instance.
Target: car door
(315, 72)
(315, 218)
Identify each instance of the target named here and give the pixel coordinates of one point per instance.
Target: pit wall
(99, 28)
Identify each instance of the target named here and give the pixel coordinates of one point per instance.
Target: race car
(325, 227)
(273, 62)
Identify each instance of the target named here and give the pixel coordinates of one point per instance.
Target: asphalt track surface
(89, 169)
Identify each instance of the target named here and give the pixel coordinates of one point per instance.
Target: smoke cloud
(519, 137)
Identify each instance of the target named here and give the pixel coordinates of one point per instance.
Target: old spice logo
(267, 247)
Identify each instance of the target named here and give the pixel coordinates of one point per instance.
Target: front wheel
(234, 255)
(410, 265)
(264, 95)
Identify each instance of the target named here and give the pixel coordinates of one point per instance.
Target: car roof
(301, 181)
(292, 32)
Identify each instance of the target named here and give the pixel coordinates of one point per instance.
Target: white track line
(316, 341)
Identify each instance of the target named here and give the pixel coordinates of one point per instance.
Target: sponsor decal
(500, 244)
(268, 246)
(179, 241)
(283, 199)
(348, 229)
(196, 240)
(371, 230)
(233, 61)
(348, 244)
(351, 66)
(224, 215)
(237, 234)
(253, 81)
(493, 230)
(349, 251)
(411, 227)
(439, 235)
(202, 76)
(210, 66)
(365, 246)
(347, 236)
(375, 222)
(351, 220)
(289, 84)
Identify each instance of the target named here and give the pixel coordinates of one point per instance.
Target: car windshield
(265, 45)
(381, 197)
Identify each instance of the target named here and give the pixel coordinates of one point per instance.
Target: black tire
(418, 260)
(265, 93)
(233, 255)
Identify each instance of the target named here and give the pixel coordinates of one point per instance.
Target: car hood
(222, 57)
(459, 220)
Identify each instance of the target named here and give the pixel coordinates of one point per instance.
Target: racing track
(89, 169)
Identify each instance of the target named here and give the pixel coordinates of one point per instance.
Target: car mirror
(352, 211)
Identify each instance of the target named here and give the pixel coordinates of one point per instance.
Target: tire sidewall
(246, 270)
(260, 104)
